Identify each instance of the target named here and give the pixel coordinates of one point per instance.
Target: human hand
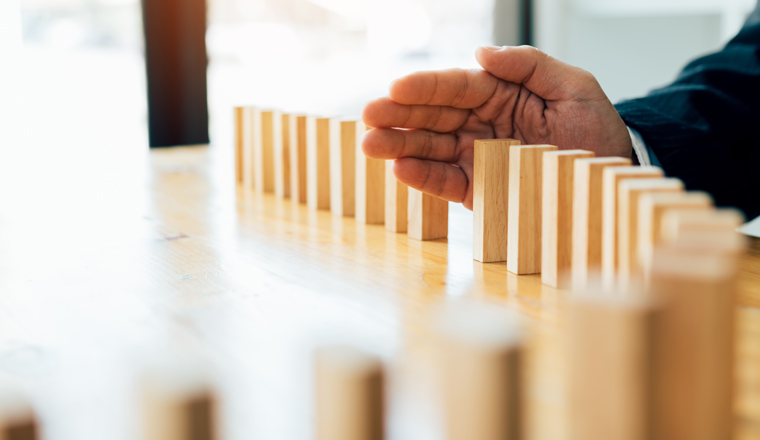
(431, 120)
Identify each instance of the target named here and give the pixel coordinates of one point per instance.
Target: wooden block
(428, 216)
(611, 178)
(248, 167)
(557, 215)
(694, 366)
(481, 358)
(524, 224)
(282, 156)
(267, 127)
(651, 209)
(370, 184)
(178, 406)
(17, 419)
(610, 383)
(304, 128)
(318, 164)
(343, 168)
(349, 395)
(707, 227)
(490, 199)
(238, 115)
(629, 194)
(396, 201)
(587, 216)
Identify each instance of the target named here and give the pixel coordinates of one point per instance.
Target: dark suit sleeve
(704, 128)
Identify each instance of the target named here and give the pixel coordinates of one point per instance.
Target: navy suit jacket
(704, 128)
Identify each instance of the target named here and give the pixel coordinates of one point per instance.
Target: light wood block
(249, 158)
(610, 384)
(491, 199)
(263, 150)
(238, 116)
(17, 419)
(370, 184)
(557, 216)
(282, 156)
(343, 168)
(699, 226)
(178, 407)
(524, 224)
(629, 195)
(349, 395)
(651, 209)
(611, 178)
(694, 366)
(428, 216)
(318, 164)
(481, 360)
(587, 216)
(396, 201)
(305, 131)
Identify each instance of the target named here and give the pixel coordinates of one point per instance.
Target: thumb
(547, 77)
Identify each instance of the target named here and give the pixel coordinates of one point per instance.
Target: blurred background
(75, 68)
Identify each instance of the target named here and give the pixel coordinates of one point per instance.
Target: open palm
(431, 120)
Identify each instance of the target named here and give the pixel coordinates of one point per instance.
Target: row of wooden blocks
(319, 162)
(564, 214)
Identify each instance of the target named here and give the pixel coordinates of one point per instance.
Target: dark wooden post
(175, 60)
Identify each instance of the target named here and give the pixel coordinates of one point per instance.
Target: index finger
(452, 87)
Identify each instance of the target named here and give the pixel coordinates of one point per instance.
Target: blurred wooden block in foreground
(524, 224)
(490, 199)
(17, 419)
(428, 216)
(610, 383)
(178, 405)
(396, 201)
(557, 215)
(370, 184)
(349, 395)
(481, 357)
(587, 215)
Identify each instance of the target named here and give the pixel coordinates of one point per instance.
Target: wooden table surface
(110, 263)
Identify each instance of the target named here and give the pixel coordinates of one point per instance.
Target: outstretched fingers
(439, 179)
(453, 87)
(384, 112)
(389, 143)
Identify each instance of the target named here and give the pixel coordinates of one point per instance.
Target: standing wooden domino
(490, 199)
(17, 419)
(282, 156)
(587, 216)
(428, 216)
(396, 201)
(343, 168)
(652, 207)
(267, 131)
(247, 132)
(178, 407)
(629, 194)
(699, 226)
(305, 131)
(557, 215)
(370, 184)
(481, 360)
(524, 212)
(610, 347)
(238, 115)
(349, 395)
(611, 178)
(318, 164)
